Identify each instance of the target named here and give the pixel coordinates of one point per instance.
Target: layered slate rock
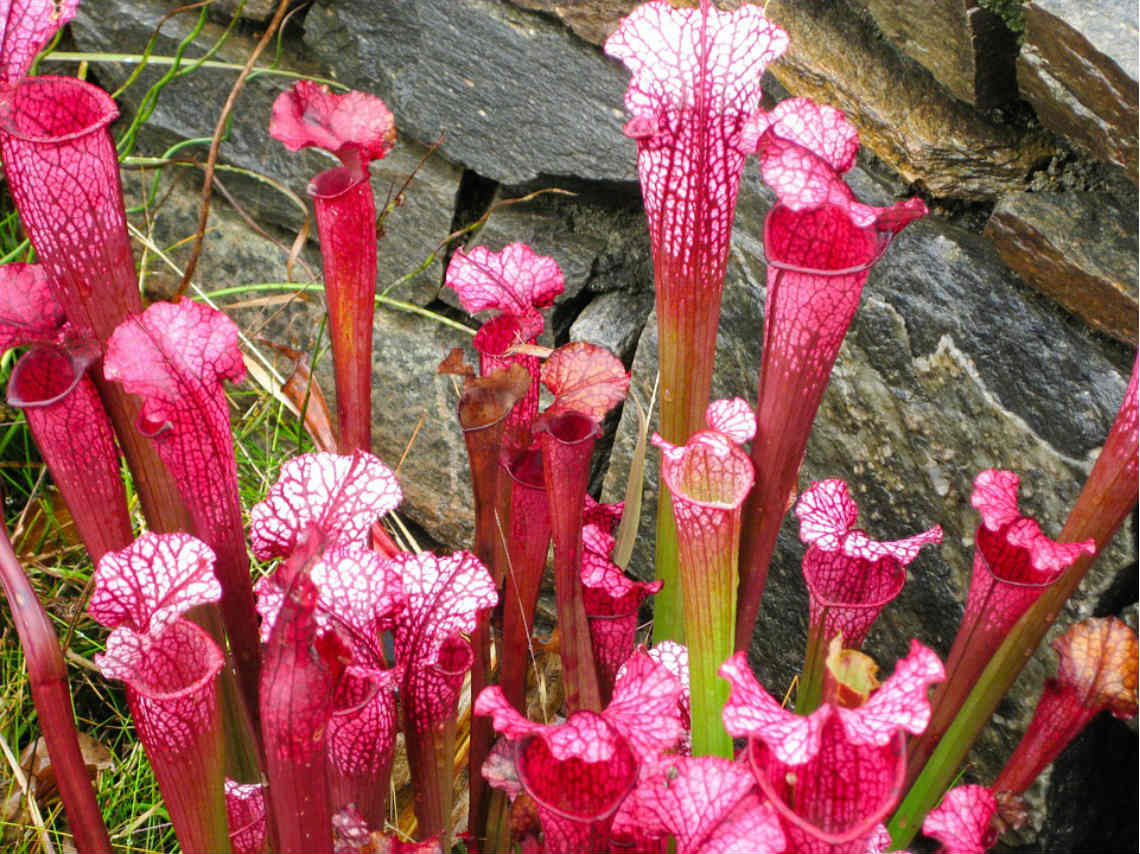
(232, 255)
(901, 113)
(592, 21)
(413, 230)
(251, 10)
(415, 429)
(837, 56)
(951, 366)
(967, 48)
(1079, 248)
(510, 94)
(1078, 68)
(614, 321)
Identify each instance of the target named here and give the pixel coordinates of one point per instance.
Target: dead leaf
(303, 391)
(35, 761)
(456, 363)
(1098, 659)
(487, 400)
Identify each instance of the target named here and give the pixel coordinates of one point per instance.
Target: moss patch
(1010, 11)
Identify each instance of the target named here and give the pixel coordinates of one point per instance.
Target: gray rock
(614, 321)
(1078, 68)
(513, 95)
(965, 46)
(1092, 812)
(233, 255)
(276, 190)
(950, 367)
(592, 21)
(252, 10)
(948, 283)
(414, 425)
(902, 114)
(1079, 248)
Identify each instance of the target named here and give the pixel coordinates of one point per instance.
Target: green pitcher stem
(668, 622)
(809, 692)
(686, 350)
(709, 566)
(942, 769)
(710, 620)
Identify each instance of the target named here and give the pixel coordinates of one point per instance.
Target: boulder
(1078, 68)
(614, 321)
(903, 115)
(967, 48)
(1079, 248)
(267, 180)
(592, 21)
(251, 10)
(415, 429)
(507, 93)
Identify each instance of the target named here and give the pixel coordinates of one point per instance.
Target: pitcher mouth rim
(777, 264)
(110, 110)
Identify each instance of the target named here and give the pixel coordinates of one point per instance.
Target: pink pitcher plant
(175, 357)
(963, 822)
(47, 680)
(821, 243)
(1108, 496)
(834, 775)
(695, 82)
(63, 174)
(171, 669)
(709, 477)
(1014, 562)
(485, 409)
(1097, 671)
(707, 804)
(849, 576)
(586, 381)
(357, 128)
(62, 407)
(517, 283)
(611, 600)
(359, 639)
(579, 772)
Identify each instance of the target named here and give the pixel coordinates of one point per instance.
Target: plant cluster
(272, 713)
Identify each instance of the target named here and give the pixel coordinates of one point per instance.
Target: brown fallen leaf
(36, 764)
(46, 525)
(303, 391)
(455, 363)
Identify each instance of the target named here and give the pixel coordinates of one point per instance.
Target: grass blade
(631, 517)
